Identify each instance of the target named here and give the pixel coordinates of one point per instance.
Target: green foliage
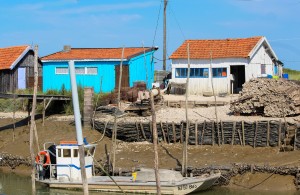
(9, 105)
(293, 74)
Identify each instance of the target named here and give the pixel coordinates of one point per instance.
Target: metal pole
(78, 127)
(165, 36)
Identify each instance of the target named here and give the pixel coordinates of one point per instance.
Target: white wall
(200, 85)
(253, 70)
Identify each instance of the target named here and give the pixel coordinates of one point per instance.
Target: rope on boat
(101, 167)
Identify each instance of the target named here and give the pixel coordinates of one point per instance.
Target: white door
(21, 78)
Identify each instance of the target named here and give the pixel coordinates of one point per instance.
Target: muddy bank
(140, 154)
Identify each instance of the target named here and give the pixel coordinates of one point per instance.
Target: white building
(241, 59)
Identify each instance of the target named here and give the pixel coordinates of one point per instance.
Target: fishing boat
(59, 167)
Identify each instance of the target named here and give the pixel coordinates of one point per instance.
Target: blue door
(21, 78)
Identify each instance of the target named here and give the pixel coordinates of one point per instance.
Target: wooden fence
(256, 134)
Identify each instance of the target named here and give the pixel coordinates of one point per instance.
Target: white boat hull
(105, 184)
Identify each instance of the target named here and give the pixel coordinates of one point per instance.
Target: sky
(51, 24)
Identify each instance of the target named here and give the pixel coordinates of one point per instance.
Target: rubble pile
(268, 97)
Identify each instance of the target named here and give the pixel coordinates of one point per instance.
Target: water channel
(12, 184)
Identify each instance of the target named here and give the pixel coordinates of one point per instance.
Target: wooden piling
(163, 132)
(279, 133)
(240, 137)
(203, 130)
(213, 133)
(196, 133)
(181, 133)
(268, 133)
(255, 134)
(168, 134)
(143, 132)
(174, 132)
(137, 131)
(233, 133)
(243, 132)
(295, 139)
(222, 131)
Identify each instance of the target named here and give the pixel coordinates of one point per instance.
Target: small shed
(99, 67)
(234, 62)
(16, 68)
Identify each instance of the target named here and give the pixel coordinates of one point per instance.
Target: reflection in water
(12, 184)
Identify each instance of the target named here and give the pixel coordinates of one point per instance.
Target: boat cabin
(64, 161)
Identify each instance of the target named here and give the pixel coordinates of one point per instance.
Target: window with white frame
(92, 70)
(61, 70)
(80, 70)
(194, 72)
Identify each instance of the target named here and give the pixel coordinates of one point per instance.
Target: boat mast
(165, 36)
(78, 127)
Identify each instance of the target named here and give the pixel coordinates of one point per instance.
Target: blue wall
(106, 70)
(137, 69)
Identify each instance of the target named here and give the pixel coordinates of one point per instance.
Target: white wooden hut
(233, 61)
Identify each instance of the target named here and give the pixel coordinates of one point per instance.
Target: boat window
(75, 153)
(59, 152)
(66, 152)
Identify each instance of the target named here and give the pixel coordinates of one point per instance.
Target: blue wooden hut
(96, 66)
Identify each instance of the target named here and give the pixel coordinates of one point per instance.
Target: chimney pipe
(67, 48)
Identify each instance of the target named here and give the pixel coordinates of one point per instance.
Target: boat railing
(40, 167)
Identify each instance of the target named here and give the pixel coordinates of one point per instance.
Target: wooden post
(186, 109)
(213, 133)
(151, 130)
(168, 134)
(32, 124)
(155, 145)
(174, 132)
(243, 131)
(233, 133)
(279, 133)
(163, 132)
(203, 130)
(222, 130)
(295, 139)
(137, 131)
(14, 117)
(240, 137)
(115, 117)
(255, 134)
(143, 132)
(44, 111)
(268, 133)
(215, 97)
(181, 133)
(196, 133)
